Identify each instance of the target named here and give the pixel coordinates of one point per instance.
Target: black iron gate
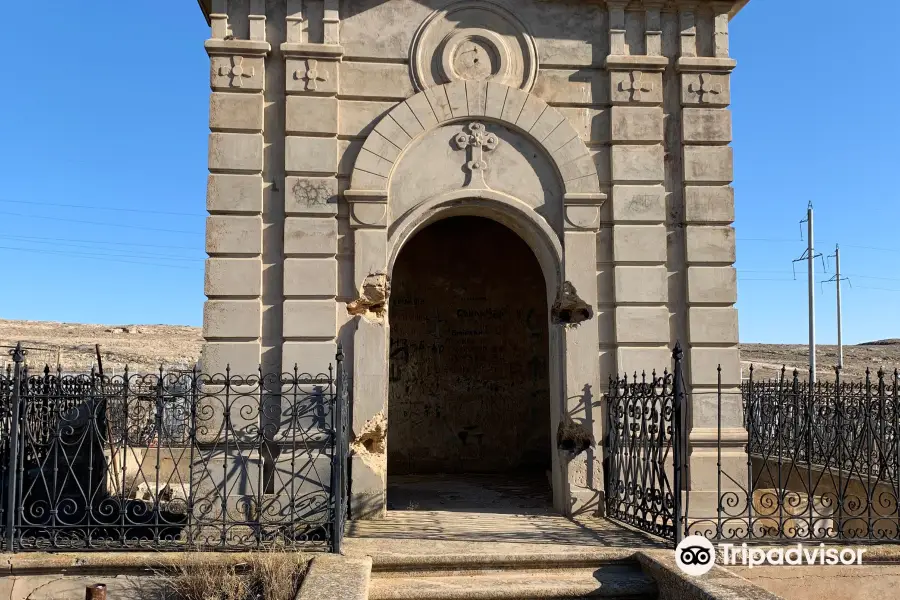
(644, 451)
(173, 460)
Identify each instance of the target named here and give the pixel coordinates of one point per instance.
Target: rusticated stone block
(310, 235)
(641, 284)
(243, 357)
(637, 123)
(706, 125)
(705, 204)
(310, 318)
(642, 324)
(310, 195)
(705, 362)
(231, 319)
(310, 357)
(639, 203)
(233, 277)
(712, 285)
(637, 163)
(311, 114)
(643, 360)
(639, 243)
(710, 244)
(712, 89)
(708, 164)
(310, 155)
(228, 234)
(310, 277)
(235, 111)
(235, 152)
(234, 193)
(713, 325)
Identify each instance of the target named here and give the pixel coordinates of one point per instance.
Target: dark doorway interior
(469, 381)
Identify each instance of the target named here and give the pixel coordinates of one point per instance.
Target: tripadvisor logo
(695, 555)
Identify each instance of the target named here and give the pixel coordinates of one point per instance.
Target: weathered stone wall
(614, 129)
(469, 389)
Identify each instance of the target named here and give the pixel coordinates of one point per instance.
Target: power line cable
(117, 208)
(96, 241)
(111, 252)
(102, 257)
(101, 223)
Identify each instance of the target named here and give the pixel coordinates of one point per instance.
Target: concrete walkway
(483, 515)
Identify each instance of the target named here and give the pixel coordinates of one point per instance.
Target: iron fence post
(18, 356)
(337, 452)
(679, 435)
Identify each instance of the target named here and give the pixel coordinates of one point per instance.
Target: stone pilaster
(709, 247)
(637, 280)
(234, 199)
(311, 188)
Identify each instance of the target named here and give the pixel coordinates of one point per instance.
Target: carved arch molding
(473, 102)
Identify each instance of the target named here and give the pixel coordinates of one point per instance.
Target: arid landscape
(145, 347)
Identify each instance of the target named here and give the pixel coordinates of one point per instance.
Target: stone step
(620, 581)
(389, 565)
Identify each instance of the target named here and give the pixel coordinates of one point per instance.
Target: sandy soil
(145, 347)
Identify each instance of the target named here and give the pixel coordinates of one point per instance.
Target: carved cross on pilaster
(311, 76)
(637, 86)
(479, 140)
(705, 88)
(237, 71)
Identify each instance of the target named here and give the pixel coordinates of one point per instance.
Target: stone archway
(469, 379)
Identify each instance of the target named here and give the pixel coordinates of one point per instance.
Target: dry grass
(271, 575)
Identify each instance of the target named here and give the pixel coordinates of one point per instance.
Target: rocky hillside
(146, 347)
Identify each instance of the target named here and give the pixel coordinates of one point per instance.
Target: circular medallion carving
(474, 40)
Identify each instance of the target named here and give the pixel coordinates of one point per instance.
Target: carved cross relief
(237, 71)
(311, 76)
(477, 141)
(637, 86)
(705, 88)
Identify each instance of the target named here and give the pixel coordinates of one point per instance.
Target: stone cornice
(585, 198)
(705, 64)
(298, 50)
(616, 62)
(237, 47)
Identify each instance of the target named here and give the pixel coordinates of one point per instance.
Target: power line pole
(810, 257)
(838, 279)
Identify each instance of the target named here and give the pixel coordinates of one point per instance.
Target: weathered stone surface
(706, 125)
(312, 76)
(639, 203)
(231, 319)
(641, 284)
(637, 163)
(235, 112)
(310, 318)
(713, 325)
(311, 114)
(631, 361)
(710, 244)
(310, 357)
(311, 195)
(226, 234)
(639, 243)
(708, 164)
(235, 152)
(359, 117)
(310, 236)
(712, 285)
(310, 155)
(712, 89)
(310, 277)
(234, 193)
(637, 123)
(243, 357)
(642, 324)
(707, 204)
(705, 362)
(233, 277)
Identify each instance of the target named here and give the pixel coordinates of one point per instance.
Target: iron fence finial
(17, 353)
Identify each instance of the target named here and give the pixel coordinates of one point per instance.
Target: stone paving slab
(69, 587)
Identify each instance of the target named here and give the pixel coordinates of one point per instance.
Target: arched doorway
(469, 384)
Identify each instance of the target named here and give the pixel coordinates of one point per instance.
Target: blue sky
(113, 114)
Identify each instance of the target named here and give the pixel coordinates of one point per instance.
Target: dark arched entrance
(469, 380)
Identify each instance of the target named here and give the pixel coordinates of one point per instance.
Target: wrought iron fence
(178, 460)
(643, 451)
(821, 462)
